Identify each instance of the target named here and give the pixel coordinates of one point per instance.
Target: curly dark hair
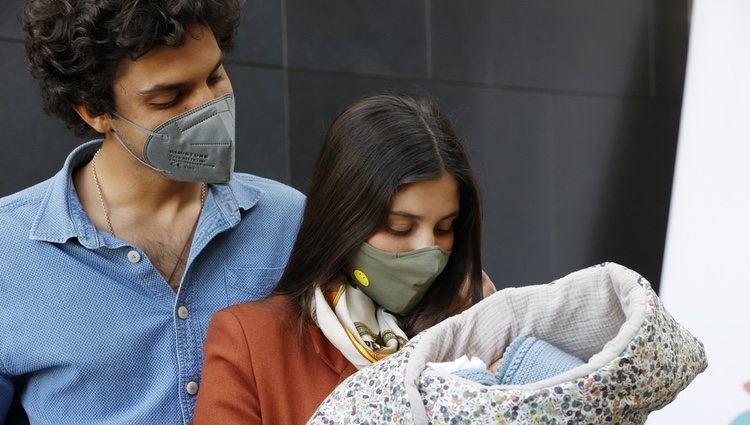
(74, 46)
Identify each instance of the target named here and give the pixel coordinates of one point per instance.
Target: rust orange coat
(260, 367)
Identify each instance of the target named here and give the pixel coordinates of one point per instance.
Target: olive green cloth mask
(397, 281)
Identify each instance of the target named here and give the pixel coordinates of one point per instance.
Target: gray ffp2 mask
(195, 146)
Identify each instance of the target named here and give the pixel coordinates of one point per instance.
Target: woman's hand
(488, 288)
(464, 296)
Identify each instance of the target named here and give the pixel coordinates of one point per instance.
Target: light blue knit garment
(481, 376)
(528, 359)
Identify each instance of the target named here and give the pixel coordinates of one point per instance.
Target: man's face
(166, 82)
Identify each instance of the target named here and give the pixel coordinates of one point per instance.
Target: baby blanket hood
(637, 359)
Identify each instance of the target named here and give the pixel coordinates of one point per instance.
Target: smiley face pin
(361, 277)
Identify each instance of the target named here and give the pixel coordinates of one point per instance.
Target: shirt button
(182, 312)
(192, 388)
(134, 256)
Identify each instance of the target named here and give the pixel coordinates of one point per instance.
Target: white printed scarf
(353, 323)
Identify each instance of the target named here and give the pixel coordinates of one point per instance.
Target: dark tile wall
(386, 37)
(10, 12)
(589, 46)
(570, 110)
(261, 35)
(34, 145)
(262, 142)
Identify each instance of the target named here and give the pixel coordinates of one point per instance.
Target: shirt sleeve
(228, 393)
(6, 397)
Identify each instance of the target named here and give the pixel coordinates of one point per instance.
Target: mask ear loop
(144, 130)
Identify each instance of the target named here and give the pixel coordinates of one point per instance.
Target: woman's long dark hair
(375, 147)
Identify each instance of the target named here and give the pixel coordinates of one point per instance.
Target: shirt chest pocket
(250, 284)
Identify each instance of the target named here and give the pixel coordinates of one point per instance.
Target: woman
(390, 244)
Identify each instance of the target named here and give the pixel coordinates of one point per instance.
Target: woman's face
(421, 214)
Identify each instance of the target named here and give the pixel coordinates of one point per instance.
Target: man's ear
(102, 123)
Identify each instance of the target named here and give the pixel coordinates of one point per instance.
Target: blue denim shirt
(91, 333)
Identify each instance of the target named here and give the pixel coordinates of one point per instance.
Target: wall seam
(285, 74)
(11, 40)
(428, 35)
(651, 25)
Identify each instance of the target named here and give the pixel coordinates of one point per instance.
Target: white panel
(706, 278)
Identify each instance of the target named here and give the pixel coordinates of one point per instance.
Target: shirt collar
(238, 194)
(61, 216)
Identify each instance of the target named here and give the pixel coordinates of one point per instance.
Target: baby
(526, 360)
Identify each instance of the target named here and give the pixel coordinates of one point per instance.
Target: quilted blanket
(637, 359)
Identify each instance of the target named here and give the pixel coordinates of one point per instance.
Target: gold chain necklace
(104, 204)
(99, 192)
(109, 220)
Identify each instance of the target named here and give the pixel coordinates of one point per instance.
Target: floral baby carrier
(637, 358)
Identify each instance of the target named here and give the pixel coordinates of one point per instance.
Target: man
(111, 269)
